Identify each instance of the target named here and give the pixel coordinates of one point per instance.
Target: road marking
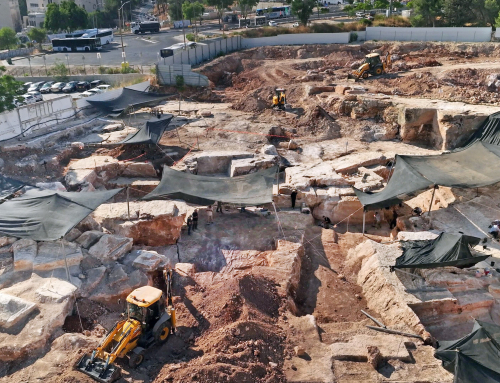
(148, 41)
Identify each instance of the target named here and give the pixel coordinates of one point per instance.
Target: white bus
(106, 35)
(76, 44)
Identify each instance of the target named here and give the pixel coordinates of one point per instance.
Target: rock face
(111, 247)
(152, 223)
(24, 254)
(118, 285)
(30, 336)
(216, 162)
(251, 165)
(53, 255)
(322, 174)
(89, 238)
(13, 310)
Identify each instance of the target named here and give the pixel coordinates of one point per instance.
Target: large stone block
(147, 260)
(6, 241)
(24, 254)
(89, 238)
(111, 247)
(55, 291)
(13, 310)
(53, 255)
(138, 169)
(78, 177)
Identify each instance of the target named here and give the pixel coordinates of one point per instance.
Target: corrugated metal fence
(204, 51)
(167, 75)
(458, 34)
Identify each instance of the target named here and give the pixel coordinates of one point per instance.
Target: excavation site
(299, 219)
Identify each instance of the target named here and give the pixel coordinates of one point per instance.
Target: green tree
(59, 71)
(37, 34)
(53, 18)
(10, 90)
(427, 11)
(491, 9)
(220, 6)
(75, 17)
(192, 11)
(381, 4)
(175, 9)
(246, 6)
(457, 13)
(303, 9)
(8, 38)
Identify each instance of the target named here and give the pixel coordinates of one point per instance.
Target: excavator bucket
(98, 370)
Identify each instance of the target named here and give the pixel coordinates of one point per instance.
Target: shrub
(353, 37)
(60, 72)
(190, 37)
(179, 82)
(102, 69)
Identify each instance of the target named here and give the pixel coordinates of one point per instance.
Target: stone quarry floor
(263, 298)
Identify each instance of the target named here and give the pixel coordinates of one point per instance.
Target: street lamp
(121, 31)
(29, 60)
(45, 64)
(83, 59)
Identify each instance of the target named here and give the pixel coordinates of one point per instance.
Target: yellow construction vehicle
(279, 99)
(150, 319)
(373, 65)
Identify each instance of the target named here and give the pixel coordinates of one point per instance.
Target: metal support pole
(432, 199)
(364, 214)
(128, 204)
(278, 179)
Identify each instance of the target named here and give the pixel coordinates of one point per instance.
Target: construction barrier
(456, 34)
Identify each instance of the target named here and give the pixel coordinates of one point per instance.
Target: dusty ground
(239, 328)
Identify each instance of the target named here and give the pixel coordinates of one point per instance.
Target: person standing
(293, 196)
(189, 224)
(219, 207)
(210, 215)
(195, 219)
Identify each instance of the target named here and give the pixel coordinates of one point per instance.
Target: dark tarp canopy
(488, 132)
(475, 166)
(475, 357)
(446, 250)
(48, 215)
(250, 189)
(9, 186)
(151, 133)
(116, 101)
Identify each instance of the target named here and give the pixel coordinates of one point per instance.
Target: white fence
(167, 75)
(297, 39)
(29, 119)
(205, 51)
(429, 34)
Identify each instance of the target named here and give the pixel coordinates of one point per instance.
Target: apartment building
(10, 16)
(37, 8)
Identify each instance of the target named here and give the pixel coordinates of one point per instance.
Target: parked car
(360, 15)
(36, 95)
(96, 83)
(46, 87)
(57, 87)
(27, 85)
(36, 86)
(83, 86)
(103, 88)
(273, 23)
(369, 17)
(295, 25)
(70, 87)
(28, 99)
(90, 92)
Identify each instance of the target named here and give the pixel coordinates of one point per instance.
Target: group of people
(192, 220)
(495, 229)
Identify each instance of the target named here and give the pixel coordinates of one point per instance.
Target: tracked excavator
(150, 318)
(373, 65)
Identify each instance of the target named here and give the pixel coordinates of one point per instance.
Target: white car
(90, 92)
(295, 25)
(273, 24)
(28, 99)
(36, 95)
(103, 87)
(360, 15)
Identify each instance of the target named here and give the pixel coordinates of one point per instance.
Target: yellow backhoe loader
(279, 99)
(373, 65)
(150, 319)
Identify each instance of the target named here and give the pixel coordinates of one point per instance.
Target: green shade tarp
(446, 250)
(488, 131)
(251, 189)
(48, 215)
(475, 166)
(151, 133)
(475, 357)
(9, 186)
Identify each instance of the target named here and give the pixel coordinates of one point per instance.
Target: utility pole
(121, 30)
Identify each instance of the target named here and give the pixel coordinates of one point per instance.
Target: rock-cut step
(139, 187)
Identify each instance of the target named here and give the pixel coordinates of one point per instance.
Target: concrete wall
(4, 55)
(297, 39)
(34, 118)
(429, 34)
(167, 75)
(10, 16)
(111, 79)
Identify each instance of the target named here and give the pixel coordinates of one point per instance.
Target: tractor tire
(378, 71)
(136, 357)
(161, 335)
(365, 75)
